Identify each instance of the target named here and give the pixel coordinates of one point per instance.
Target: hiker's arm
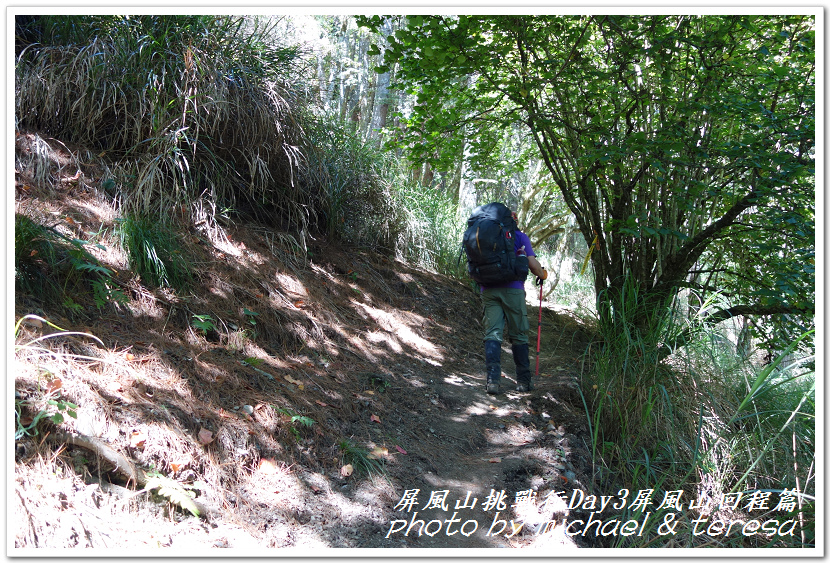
(536, 268)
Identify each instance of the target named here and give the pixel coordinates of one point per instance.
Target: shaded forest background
(663, 166)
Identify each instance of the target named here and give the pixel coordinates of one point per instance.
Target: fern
(90, 267)
(295, 420)
(304, 420)
(175, 492)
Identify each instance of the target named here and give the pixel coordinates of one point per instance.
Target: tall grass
(434, 228)
(183, 107)
(366, 199)
(702, 421)
(353, 182)
(576, 292)
(153, 252)
(198, 114)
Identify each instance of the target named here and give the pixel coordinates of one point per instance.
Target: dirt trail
(374, 352)
(486, 449)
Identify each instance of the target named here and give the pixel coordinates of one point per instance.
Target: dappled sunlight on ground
(398, 330)
(251, 412)
(290, 284)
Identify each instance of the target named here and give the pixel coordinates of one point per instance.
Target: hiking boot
(492, 358)
(520, 357)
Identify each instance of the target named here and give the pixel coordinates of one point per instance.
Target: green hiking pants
(505, 306)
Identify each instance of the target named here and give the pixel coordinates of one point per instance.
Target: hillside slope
(326, 387)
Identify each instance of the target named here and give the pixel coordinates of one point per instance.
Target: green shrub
(53, 266)
(153, 252)
(352, 182)
(36, 253)
(433, 228)
(703, 421)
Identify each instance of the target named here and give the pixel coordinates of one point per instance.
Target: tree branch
(679, 263)
(723, 315)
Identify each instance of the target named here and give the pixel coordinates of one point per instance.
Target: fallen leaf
(321, 403)
(374, 418)
(129, 357)
(205, 437)
(299, 304)
(370, 392)
(176, 466)
(400, 449)
(267, 466)
(378, 453)
(137, 439)
(299, 384)
(33, 253)
(346, 470)
(53, 386)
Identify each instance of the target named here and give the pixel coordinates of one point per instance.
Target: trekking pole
(539, 282)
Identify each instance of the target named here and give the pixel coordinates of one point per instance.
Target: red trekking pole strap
(539, 282)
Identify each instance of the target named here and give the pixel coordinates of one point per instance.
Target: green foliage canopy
(684, 144)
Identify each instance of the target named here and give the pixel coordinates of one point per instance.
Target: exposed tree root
(123, 466)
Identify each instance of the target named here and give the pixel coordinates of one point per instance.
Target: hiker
(504, 301)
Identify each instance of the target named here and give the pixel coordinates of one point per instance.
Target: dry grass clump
(183, 108)
(202, 117)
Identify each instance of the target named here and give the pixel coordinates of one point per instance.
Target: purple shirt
(521, 240)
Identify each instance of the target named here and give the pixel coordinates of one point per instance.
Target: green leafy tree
(683, 145)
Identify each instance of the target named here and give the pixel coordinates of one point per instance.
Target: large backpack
(490, 246)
